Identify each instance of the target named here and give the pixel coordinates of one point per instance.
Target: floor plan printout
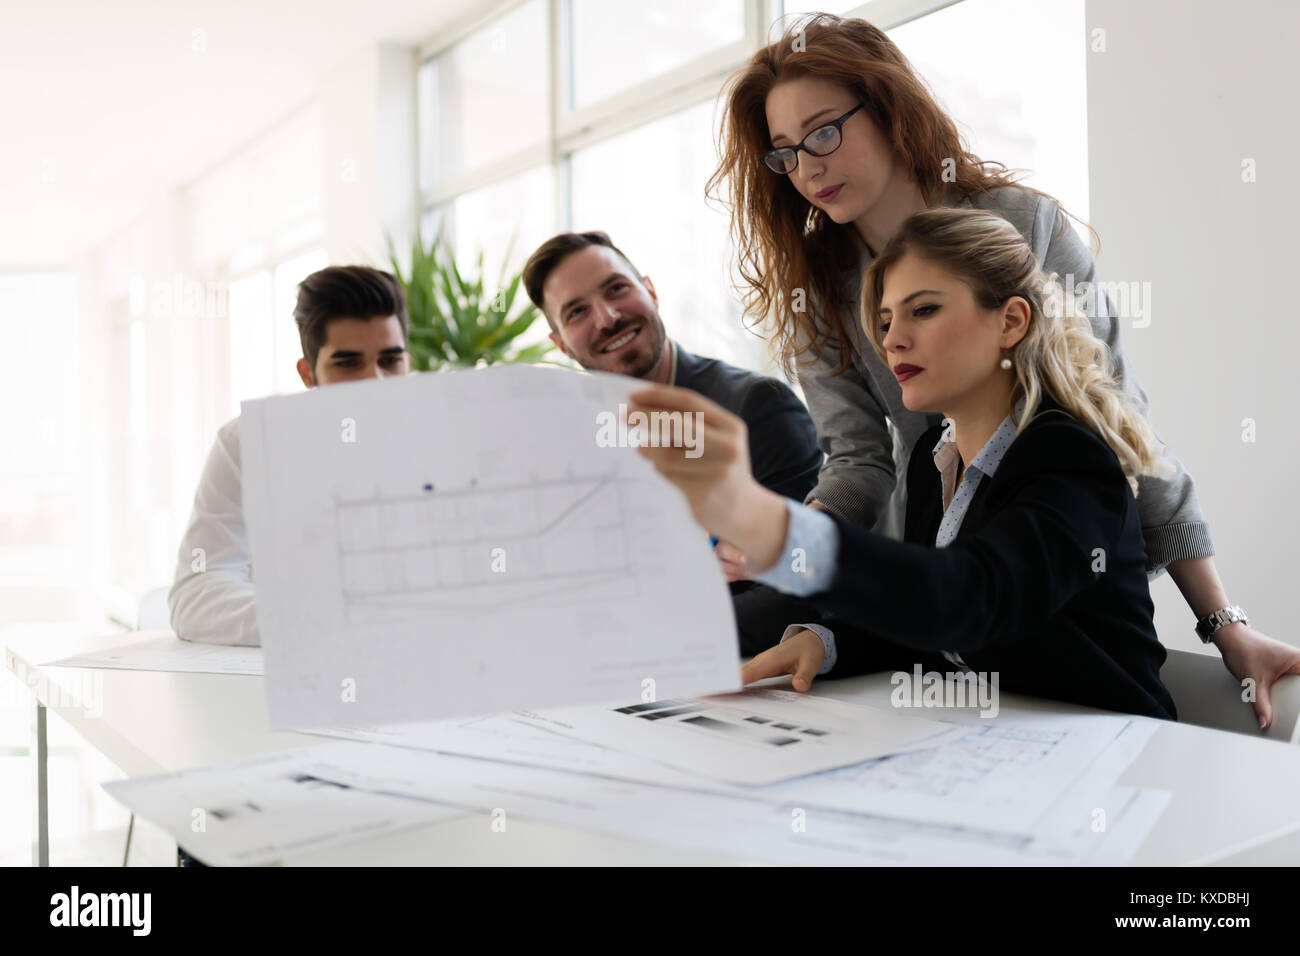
(459, 543)
(1005, 775)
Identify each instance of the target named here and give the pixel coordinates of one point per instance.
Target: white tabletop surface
(1236, 799)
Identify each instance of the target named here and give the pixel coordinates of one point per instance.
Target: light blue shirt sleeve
(808, 558)
(806, 566)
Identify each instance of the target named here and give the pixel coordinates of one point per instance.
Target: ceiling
(107, 106)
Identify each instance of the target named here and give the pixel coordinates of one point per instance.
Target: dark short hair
(555, 250)
(345, 292)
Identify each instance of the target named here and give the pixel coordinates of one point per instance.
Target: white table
(1236, 799)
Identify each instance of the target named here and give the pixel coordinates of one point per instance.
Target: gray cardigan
(868, 435)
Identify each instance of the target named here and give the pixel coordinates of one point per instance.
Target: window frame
(568, 131)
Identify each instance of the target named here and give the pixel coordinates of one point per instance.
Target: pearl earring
(1005, 363)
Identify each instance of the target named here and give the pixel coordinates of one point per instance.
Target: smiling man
(353, 325)
(604, 314)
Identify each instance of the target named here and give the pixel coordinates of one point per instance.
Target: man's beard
(643, 366)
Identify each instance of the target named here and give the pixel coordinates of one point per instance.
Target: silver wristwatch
(1207, 627)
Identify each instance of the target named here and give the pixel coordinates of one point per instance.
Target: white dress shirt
(211, 599)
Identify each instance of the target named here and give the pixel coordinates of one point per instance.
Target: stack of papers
(1023, 791)
(754, 737)
(263, 809)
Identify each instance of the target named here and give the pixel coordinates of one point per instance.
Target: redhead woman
(830, 142)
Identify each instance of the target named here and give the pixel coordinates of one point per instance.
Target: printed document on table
(510, 738)
(264, 808)
(759, 736)
(448, 544)
(1005, 774)
(1107, 833)
(747, 825)
(169, 653)
(1044, 774)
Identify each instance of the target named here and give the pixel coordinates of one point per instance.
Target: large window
(252, 360)
(258, 221)
(486, 97)
(512, 215)
(612, 126)
(264, 342)
(645, 188)
(41, 546)
(663, 36)
(838, 7)
(1020, 103)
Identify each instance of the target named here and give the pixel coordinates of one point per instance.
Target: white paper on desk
(509, 739)
(1038, 779)
(745, 825)
(262, 809)
(1094, 803)
(169, 653)
(1107, 833)
(1005, 774)
(758, 736)
(742, 826)
(439, 545)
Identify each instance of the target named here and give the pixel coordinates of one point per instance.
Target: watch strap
(1209, 625)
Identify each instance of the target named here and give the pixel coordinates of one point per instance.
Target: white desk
(1236, 800)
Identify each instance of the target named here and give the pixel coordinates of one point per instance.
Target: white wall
(1184, 92)
(370, 175)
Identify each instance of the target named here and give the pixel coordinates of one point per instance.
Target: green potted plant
(456, 322)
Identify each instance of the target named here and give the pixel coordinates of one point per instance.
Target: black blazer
(1016, 591)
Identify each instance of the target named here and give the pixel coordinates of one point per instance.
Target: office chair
(1206, 694)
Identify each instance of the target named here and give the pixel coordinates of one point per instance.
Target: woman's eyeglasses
(822, 141)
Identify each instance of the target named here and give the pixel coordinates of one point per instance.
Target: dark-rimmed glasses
(822, 141)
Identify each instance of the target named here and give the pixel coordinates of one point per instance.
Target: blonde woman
(1023, 555)
(830, 141)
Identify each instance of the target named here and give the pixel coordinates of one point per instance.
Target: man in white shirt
(352, 321)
